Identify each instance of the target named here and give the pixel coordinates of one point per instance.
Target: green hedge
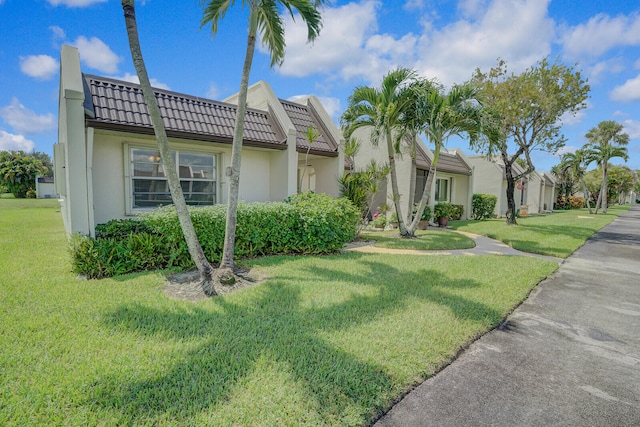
(305, 223)
(483, 206)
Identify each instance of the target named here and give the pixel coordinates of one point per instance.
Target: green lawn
(425, 240)
(327, 340)
(557, 234)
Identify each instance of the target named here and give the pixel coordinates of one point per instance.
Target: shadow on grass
(272, 322)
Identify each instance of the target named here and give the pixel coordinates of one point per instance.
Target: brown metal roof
(451, 163)
(302, 117)
(119, 105)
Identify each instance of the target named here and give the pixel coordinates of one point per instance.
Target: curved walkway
(484, 246)
(568, 356)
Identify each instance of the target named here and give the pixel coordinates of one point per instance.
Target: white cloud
(9, 141)
(504, 30)
(96, 54)
(213, 92)
(350, 46)
(330, 104)
(632, 128)
(133, 78)
(75, 3)
(26, 121)
(58, 33)
(611, 66)
(41, 67)
(629, 91)
(340, 46)
(566, 149)
(412, 5)
(600, 34)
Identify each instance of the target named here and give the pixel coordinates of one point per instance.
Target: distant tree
(607, 141)
(576, 164)
(18, 172)
(528, 110)
(46, 162)
(177, 196)
(621, 182)
(264, 18)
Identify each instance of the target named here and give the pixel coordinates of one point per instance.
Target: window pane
(199, 166)
(150, 193)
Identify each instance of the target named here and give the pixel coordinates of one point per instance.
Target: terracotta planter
(422, 225)
(443, 221)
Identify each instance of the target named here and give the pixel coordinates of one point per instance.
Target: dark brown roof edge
(142, 130)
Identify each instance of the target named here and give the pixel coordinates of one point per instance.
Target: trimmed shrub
(571, 202)
(426, 215)
(483, 206)
(304, 224)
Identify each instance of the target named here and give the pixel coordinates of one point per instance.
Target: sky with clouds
(360, 42)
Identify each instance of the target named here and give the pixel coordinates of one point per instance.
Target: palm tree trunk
(225, 273)
(586, 194)
(195, 250)
(604, 189)
(394, 185)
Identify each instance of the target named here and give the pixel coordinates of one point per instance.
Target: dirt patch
(585, 217)
(186, 285)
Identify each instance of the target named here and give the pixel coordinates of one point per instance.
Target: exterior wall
(46, 190)
(487, 179)
(535, 193)
(111, 172)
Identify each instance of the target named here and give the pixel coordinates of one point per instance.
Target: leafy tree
(46, 162)
(607, 141)
(195, 249)
(264, 18)
(18, 172)
(620, 183)
(528, 110)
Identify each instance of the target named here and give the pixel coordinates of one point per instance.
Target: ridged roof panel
(302, 118)
(451, 163)
(120, 103)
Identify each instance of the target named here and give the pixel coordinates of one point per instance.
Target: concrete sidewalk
(568, 356)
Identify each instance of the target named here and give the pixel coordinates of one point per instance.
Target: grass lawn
(425, 240)
(557, 234)
(327, 340)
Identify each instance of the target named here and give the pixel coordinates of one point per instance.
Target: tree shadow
(232, 336)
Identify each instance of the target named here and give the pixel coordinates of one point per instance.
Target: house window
(443, 188)
(149, 184)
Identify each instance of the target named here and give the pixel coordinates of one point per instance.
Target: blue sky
(360, 42)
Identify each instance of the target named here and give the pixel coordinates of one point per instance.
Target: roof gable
(451, 163)
(303, 117)
(119, 105)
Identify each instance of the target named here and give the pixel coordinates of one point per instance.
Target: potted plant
(379, 221)
(443, 211)
(393, 220)
(425, 218)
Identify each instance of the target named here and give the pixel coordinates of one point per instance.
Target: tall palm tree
(442, 115)
(264, 18)
(195, 250)
(607, 134)
(576, 164)
(602, 155)
(381, 109)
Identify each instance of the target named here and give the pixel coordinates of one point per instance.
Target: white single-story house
(107, 165)
(453, 182)
(536, 190)
(45, 188)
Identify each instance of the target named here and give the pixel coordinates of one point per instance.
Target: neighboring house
(107, 165)
(536, 190)
(45, 188)
(453, 182)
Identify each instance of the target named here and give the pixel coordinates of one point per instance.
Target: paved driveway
(568, 356)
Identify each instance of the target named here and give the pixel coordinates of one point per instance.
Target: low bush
(426, 214)
(483, 206)
(571, 202)
(449, 210)
(305, 223)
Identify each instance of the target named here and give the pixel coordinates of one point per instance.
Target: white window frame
(129, 174)
(438, 190)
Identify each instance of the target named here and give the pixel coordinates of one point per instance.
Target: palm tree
(604, 139)
(602, 154)
(264, 18)
(195, 250)
(443, 115)
(576, 164)
(381, 110)
(311, 136)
